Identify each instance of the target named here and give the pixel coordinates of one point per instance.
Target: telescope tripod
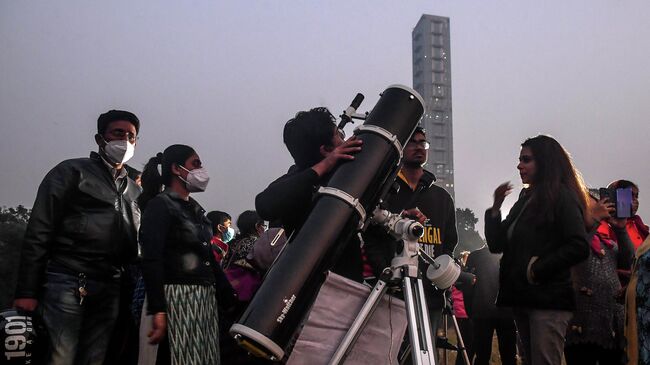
(442, 275)
(404, 268)
(419, 326)
(442, 342)
(447, 313)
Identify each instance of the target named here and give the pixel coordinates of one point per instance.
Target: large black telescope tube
(291, 286)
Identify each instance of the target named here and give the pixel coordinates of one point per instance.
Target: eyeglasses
(526, 159)
(424, 144)
(119, 133)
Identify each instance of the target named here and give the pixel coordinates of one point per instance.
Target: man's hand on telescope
(415, 214)
(332, 156)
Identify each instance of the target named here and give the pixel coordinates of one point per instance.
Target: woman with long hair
(180, 274)
(542, 237)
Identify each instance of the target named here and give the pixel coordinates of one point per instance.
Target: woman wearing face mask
(181, 276)
(541, 239)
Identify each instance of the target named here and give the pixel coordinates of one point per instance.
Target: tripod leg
(461, 344)
(405, 354)
(359, 323)
(445, 326)
(423, 351)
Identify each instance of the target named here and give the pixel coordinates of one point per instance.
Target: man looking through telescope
(317, 146)
(417, 198)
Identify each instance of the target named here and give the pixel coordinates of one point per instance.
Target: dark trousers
(591, 354)
(506, 335)
(123, 346)
(79, 333)
(467, 333)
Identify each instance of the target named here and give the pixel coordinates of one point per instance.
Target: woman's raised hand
(500, 195)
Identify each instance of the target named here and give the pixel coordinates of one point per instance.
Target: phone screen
(624, 203)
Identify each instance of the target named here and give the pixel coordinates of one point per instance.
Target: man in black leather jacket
(82, 231)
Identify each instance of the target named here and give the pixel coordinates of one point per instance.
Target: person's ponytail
(152, 181)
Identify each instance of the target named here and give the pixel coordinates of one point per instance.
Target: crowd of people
(126, 267)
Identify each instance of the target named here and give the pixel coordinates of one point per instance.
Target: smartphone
(622, 200)
(624, 203)
(610, 194)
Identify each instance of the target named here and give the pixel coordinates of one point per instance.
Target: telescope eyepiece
(409, 229)
(417, 230)
(356, 102)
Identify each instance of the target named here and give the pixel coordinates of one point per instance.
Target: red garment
(219, 248)
(367, 269)
(459, 303)
(636, 229)
(604, 237)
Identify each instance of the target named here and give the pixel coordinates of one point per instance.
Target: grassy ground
(451, 355)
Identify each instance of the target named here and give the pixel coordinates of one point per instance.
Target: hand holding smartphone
(622, 200)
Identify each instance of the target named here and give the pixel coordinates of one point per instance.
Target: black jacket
(81, 222)
(289, 199)
(440, 234)
(557, 246)
(175, 237)
(480, 298)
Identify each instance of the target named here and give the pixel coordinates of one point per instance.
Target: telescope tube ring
(349, 199)
(384, 133)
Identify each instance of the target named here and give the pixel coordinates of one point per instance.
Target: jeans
(79, 334)
(542, 333)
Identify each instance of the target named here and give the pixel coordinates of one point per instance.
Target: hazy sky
(224, 77)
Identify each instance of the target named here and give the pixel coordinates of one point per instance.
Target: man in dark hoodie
(317, 146)
(425, 202)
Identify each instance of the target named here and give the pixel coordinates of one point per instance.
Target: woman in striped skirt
(180, 274)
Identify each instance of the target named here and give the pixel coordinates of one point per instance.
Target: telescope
(338, 212)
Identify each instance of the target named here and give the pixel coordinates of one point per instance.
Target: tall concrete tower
(432, 79)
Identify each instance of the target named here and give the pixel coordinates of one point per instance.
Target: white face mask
(119, 151)
(197, 179)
